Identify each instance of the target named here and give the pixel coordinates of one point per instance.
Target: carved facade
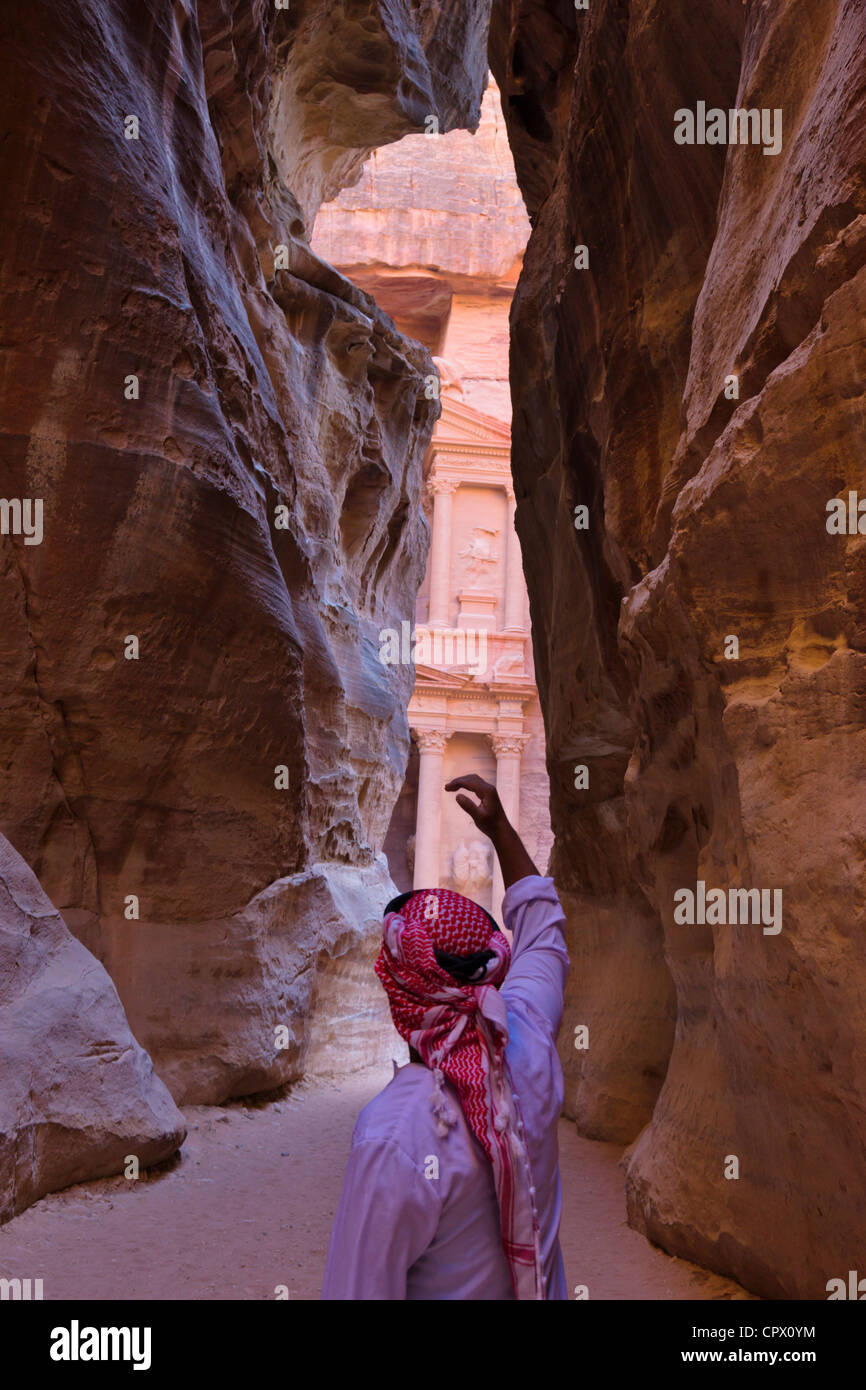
(417, 231)
(475, 705)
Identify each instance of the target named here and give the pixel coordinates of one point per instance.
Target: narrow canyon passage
(248, 1210)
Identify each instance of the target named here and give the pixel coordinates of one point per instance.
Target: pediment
(463, 424)
(434, 675)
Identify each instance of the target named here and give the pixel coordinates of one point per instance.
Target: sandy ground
(249, 1204)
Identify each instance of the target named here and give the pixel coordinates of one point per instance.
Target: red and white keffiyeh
(460, 1032)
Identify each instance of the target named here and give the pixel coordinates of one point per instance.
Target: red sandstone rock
(247, 509)
(707, 519)
(79, 1096)
(448, 203)
(434, 229)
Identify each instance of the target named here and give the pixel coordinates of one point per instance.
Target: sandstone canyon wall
(79, 1097)
(706, 521)
(200, 747)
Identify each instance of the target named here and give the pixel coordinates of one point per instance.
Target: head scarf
(460, 1032)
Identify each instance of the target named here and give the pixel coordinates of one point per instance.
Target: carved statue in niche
(410, 856)
(470, 868)
(509, 664)
(479, 864)
(460, 866)
(480, 554)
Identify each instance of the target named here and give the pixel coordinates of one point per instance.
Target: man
(452, 1187)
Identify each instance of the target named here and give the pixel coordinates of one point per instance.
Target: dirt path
(249, 1207)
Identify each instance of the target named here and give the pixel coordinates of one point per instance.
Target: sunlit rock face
(79, 1097)
(446, 204)
(734, 764)
(196, 732)
(435, 229)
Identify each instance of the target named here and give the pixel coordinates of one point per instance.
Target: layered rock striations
(695, 380)
(201, 749)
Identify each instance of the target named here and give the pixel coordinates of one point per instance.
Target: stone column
(443, 490)
(515, 590)
(509, 750)
(428, 818)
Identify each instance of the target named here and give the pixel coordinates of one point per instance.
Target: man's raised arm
(531, 908)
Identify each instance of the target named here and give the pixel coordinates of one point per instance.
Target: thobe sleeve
(386, 1218)
(539, 959)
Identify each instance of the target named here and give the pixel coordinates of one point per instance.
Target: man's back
(435, 1228)
(418, 1215)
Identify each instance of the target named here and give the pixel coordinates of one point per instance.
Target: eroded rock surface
(79, 1097)
(707, 520)
(434, 230)
(227, 439)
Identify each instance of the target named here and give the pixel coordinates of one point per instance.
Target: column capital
(505, 745)
(432, 740)
(438, 484)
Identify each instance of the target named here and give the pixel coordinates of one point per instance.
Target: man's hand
(491, 819)
(487, 811)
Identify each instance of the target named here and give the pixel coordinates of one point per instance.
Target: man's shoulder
(532, 888)
(399, 1111)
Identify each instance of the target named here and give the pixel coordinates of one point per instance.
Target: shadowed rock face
(79, 1096)
(707, 520)
(226, 534)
